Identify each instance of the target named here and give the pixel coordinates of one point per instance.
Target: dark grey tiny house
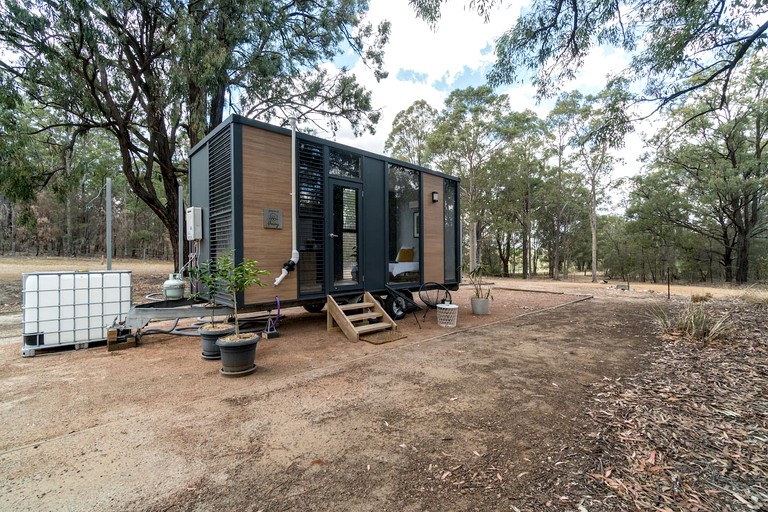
(364, 221)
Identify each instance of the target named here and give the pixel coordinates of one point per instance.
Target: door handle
(333, 235)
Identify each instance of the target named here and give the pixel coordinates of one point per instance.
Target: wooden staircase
(354, 319)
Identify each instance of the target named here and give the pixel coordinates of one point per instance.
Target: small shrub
(756, 298)
(693, 322)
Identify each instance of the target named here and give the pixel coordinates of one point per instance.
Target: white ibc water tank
(71, 308)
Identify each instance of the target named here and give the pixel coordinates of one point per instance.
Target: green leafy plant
(236, 278)
(482, 290)
(207, 275)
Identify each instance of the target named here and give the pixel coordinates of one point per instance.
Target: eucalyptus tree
(562, 122)
(669, 42)
(411, 129)
(59, 185)
(464, 143)
(601, 127)
(516, 181)
(665, 197)
(159, 74)
(709, 174)
(563, 211)
(596, 164)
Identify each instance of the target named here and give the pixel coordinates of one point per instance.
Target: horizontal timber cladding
(267, 186)
(433, 233)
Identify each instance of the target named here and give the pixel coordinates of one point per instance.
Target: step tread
(364, 316)
(356, 305)
(373, 327)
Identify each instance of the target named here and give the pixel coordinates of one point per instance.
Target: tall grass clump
(756, 298)
(701, 298)
(693, 322)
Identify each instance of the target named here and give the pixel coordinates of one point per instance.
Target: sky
(428, 64)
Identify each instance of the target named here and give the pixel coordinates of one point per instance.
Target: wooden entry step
(354, 319)
(356, 305)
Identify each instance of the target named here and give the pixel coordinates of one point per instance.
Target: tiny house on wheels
(323, 218)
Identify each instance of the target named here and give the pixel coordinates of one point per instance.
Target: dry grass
(14, 267)
(693, 322)
(756, 298)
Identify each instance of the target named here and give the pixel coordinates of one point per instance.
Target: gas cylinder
(173, 288)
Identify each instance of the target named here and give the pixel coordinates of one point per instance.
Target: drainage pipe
(290, 265)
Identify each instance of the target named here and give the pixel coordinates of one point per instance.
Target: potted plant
(238, 350)
(208, 285)
(481, 302)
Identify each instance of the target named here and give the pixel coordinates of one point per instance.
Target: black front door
(344, 237)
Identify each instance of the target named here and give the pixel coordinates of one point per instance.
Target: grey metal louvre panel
(220, 208)
(310, 179)
(311, 217)
(220, 194)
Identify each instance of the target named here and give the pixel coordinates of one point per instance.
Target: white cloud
(432, 63)
(459, 44)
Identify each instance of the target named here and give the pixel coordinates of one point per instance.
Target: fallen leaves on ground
(691, 432)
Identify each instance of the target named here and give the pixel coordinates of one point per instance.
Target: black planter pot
(208, 338)
(237, 358)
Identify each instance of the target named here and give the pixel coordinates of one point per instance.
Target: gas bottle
(173, 288)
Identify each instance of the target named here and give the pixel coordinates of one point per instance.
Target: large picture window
(451, 222)
(404, 218)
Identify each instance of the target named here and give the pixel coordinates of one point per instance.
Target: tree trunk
(514, 260)
(142, 186)
(566, 258)
(742, 258)
(13, 229)
(556, 254)
(503, 251)
(525, 243)
(473, 246)
(593, 228)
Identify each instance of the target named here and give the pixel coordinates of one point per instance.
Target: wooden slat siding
(267, 184)
(433, 234)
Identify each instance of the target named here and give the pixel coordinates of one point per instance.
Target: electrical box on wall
(194, 223)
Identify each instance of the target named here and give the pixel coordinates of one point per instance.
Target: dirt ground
(490, 415)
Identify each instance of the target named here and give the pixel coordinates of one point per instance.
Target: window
(404, 229)
(344, 164)
(449, 218)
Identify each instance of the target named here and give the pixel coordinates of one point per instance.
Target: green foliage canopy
(676, 46)
(411, 129)
(709, 176)
(160, 74)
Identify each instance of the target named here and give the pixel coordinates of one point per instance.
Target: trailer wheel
(396, 307)
(314, 308)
